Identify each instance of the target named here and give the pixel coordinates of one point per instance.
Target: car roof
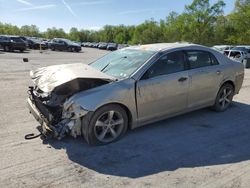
(162, 46)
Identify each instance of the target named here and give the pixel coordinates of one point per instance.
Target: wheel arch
(228, 82)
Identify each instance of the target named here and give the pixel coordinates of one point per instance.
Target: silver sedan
(129, 88)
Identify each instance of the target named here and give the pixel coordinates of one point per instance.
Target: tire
(224, 98)
(53, 48)
(107, 124)
(6, 48)
(21, 51)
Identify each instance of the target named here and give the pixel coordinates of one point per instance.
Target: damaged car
(129, 88)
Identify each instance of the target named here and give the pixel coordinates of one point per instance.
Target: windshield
(122, 63)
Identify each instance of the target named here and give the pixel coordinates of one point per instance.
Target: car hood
(48, 78)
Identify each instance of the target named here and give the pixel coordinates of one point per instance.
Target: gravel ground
(198, 149)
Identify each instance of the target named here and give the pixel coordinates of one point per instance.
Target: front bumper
(46, 129)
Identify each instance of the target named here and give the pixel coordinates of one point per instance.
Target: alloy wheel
(109, 126)
(225, 97)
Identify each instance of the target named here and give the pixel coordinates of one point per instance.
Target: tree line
(201, 22)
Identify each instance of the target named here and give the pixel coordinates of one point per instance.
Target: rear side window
(199, 59)
(235, 54)
(16, 39)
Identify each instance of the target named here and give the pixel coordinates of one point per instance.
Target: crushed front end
(49, 102)
(51, 114)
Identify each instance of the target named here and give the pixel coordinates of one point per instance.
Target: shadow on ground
(198, 139)
(16, 52)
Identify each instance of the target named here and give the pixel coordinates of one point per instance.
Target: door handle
(218, 72)
(182, 79)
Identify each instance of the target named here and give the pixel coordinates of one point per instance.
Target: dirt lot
(199, 149)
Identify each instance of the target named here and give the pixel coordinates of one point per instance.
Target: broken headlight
(73, 111)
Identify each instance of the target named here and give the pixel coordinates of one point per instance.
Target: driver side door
(163, 89)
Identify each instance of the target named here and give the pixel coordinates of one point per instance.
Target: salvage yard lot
(198, 149)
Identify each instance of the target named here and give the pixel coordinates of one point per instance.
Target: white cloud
(24, 2)
(69, 8)
(36, 8)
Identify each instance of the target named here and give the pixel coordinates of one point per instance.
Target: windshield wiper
(105, 67)
(124, 57)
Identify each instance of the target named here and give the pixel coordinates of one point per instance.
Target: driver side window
(170, 63)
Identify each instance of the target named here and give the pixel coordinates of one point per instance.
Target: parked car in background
(237, 54)
(83, 44)
(11, 43)
(25, 39)
(103, 45)
(131, 87)
(221, 48)
(112, 46)
(120, 46)
(45, 42)
(37, 43)
(242, 48)
(64, 45)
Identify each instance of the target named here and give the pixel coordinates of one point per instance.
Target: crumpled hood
(48, 78)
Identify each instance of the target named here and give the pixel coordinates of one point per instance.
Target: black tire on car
(6, 48)
(107, 124)
(224, 97)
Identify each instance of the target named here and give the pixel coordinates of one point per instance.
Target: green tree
(240, 22)
(55, 33)
(74, 34)
(200, 19)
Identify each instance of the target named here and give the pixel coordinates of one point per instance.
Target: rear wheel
(106, 125)
(224, 97)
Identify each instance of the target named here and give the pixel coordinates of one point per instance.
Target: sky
(90, 14)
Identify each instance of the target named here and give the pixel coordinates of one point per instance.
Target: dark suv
(64, 45)
(11, 43)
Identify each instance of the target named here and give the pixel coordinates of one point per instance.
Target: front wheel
(7, 48)
(108, 124)
(224, 98)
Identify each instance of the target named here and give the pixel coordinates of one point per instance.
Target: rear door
(163, 89)
(205, 75)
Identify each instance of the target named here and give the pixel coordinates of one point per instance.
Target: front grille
(51, 114)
